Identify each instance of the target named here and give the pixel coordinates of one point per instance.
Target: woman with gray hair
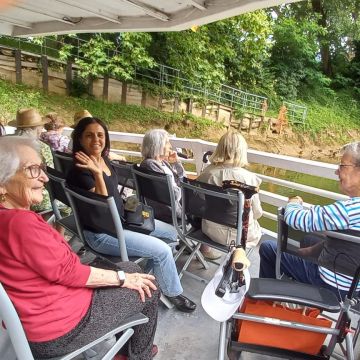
(158, 156)
(30, 124)
(60, 302)
(341, 215)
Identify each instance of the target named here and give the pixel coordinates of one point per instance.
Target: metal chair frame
(21, 346)
(154, 179)
(311, 295)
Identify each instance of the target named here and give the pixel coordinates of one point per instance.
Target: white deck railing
(199, 147)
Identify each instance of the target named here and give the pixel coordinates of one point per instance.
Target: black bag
(138, 217)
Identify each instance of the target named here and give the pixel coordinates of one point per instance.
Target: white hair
(353, 149)
(153, 144)
(9, 155)
(30, 132)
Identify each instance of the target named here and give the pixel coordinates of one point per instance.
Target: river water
(314, 181)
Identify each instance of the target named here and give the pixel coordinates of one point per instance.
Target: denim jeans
(149, 246)
(292, 266)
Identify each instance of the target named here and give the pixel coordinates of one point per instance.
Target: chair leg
(166, 301)
(188, 261)
(119, 344)
(222, 341)
(349, 346)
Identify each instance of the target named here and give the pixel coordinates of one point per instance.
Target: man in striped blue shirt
(341, 215)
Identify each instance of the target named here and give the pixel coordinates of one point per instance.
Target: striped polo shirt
(341, 215)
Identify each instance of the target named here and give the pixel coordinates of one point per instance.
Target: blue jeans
(292, 266)
(149, 246)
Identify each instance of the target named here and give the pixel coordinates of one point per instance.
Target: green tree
(116, 54)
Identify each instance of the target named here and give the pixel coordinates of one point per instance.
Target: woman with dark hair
(2, 130)
(93, 172)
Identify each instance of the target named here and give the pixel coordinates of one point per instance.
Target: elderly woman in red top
(55, 295)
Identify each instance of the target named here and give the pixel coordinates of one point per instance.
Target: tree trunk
(318, 8)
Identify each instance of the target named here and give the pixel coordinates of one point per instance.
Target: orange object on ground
(278, 336)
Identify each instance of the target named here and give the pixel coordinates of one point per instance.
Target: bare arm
(139, 282)
(90, 163)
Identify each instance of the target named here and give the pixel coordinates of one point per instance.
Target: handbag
(138, 217)
(282, 337)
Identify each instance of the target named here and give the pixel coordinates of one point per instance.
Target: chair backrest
(211, 202)
(14, 328)
(124, 172)
(56, 185)
(63, 162)
(340, 250)
(155, 186)
(96, 213)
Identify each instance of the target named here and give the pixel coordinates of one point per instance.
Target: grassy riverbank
(332, 120)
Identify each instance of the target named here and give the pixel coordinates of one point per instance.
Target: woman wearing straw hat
(29, 123)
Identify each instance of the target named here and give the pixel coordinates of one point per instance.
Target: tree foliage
(285, 52)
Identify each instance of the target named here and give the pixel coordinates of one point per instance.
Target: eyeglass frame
(31, 168)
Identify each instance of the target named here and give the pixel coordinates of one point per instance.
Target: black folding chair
(210, 202)
(155, 189)
(123, 170)
(56, 189)
(301, 294)
(63, 162)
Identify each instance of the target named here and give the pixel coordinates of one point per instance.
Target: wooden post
(68, 77)
(45, 74)
(203, 111)
(143, 98)
(160, 100)
(123, 93)
(189, 106)
(218, 113)
(18, 68)
(176, 104)
(90, 85)
(106, 88)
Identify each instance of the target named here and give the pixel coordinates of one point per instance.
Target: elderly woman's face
(167, 149)
(349, 176)
(25, 188)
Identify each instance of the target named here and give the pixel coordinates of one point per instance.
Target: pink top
(42, 276)
(56, 141)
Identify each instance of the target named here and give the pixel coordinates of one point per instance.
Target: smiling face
(93, 139)
(22, 191)
(349, 176)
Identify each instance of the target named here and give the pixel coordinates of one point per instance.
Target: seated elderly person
(342, 215)
(228, 162)
(158, 156)
(29, 123)
(93, 171)
(62, 304)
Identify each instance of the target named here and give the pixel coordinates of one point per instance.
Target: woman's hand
(140, 282)
(88, 162)
(295, 199)
(173, 158)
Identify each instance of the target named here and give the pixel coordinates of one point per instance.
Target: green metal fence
(160, 75)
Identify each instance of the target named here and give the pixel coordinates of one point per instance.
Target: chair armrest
(130, 322)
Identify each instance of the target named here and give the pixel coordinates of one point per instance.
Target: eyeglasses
(34, 171)
(341, 166)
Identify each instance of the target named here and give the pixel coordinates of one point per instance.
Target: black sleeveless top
(84, 179)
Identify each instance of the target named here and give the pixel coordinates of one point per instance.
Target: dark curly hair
(79, 130)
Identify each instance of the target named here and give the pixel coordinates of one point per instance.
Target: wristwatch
(121, 276)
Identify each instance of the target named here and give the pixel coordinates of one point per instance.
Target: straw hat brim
(21, 126)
